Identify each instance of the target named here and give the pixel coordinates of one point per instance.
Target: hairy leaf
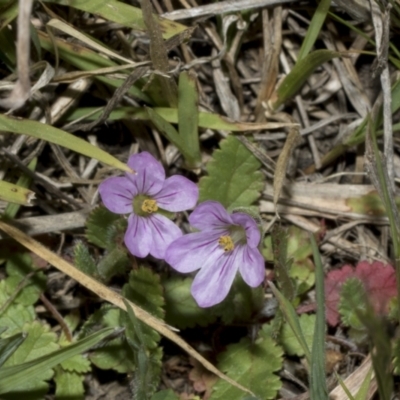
(233, 177)
(145, 290)
(84, 261)
(253, 365)
(99, 226)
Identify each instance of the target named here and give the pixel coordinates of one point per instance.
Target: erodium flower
(143, 195)
(226, 243)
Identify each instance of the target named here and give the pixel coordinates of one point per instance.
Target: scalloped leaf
(252, 365)
(15, 316)
(145, 290)
(181, 310)
(69, 385)
(289, 340)
(233, 177)
(18, 266)
(99, 226)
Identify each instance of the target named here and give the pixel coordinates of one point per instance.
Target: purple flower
(143, 194)
(225, 244)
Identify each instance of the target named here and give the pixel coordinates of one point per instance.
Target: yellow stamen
(226, 243)
(149, 206)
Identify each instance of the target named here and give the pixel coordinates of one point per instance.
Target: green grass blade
(362, 394)
(293, 320)
(13, 377)
(57, 136)
(188, 117)
(206, 120)
(314, 29)
(9, 345)
(15, 194)
(318, 388)
(24, 181)
(300, 73)
(166, 129)
(121, 13)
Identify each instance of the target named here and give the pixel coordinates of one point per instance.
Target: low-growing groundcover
(184, 208)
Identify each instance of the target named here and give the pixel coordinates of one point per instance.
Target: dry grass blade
(107, 294)
(20, 93)
(158, 55)
(222, 7)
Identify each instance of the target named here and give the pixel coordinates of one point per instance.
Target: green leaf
(233, 177)
(123, 14)
(252, 365)
(144, 289)
(165, 395)
(15, 194)
(318, 387)
(300, 73)
(290, 341)
(352, 301)
(24, 181)
(84, 261)
(148, 361)
(188, 117)
(18, 267)
(181, 310)
(113, 263)
(15, 376)
(39, 342)
(57, 136)
(69, 385)
(100, 225)
(115, 354)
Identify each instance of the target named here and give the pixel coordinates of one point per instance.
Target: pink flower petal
(117, 194)
(177, 194)
(210, 215)
(192, 251)
(138, 237)
(253, 234)
(163, 232)
(149, 173)
(252, 265)
(213, 282)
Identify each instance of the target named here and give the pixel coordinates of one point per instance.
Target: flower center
(236, 236)
(144, 205)
(226, 243)
(149, 206)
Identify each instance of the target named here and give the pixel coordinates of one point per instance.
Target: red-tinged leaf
(333, 282)
(379, 281)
